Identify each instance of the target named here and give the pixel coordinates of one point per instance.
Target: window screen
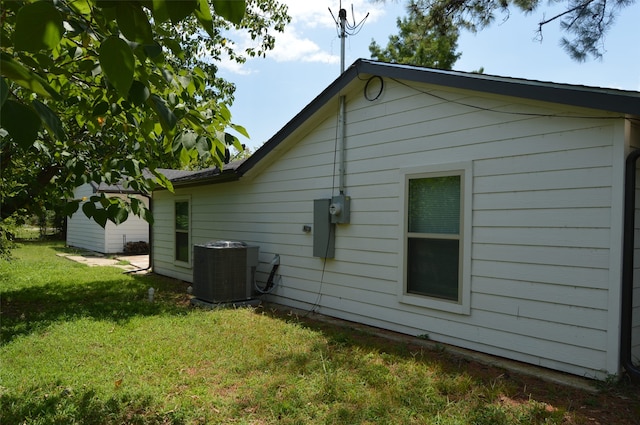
(433, 236)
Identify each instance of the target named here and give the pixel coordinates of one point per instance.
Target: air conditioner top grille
(224, 244)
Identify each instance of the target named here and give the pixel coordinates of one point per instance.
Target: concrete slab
(129, 263)
(137, 261)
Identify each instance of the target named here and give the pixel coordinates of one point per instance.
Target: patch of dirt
(608, 404)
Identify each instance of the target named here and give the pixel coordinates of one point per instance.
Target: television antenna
(345, 28)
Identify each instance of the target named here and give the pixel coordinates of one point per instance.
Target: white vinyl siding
(164, 241)
(134, 229)
(541, 191)
(85, 233)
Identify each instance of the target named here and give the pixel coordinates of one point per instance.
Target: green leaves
(100, 90)
(102, 208)
(71, 207)
(167, 118)
(38, 27)
(100, 109)
(179, 10)
(232, 11)
(118, 63)
(16, 72)
(21, 122)
(117, 213)
(435, 48)
(133, 22)
(203, 14)
(99, 215)
(139, 93)
(4, 91)
(50, 119)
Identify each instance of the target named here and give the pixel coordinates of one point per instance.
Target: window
(435, 251)
(433, 237)
(182, 248)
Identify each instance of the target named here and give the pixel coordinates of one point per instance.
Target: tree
(103, 90)
(585, 22)
(419, 43)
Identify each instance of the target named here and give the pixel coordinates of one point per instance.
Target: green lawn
(82, 345)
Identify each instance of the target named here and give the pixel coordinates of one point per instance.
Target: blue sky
(272, 90)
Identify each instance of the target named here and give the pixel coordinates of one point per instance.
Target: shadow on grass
(64, 249)
(58, 405)
(32, 309)
(499, 394)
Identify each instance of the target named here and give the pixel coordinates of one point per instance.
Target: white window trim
(178, 263)
(464, 170)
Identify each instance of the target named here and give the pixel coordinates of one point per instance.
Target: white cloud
(296, 43)
(291, 46)
(316, 14)
(235, 67)
(309, 17)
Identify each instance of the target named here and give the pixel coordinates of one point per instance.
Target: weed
(488, 414)
(439, 348)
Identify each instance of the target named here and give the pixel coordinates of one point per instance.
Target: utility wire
(316, 303)
(349, 29)
(498, 111)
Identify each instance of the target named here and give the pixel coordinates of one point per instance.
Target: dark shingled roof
(214, 175)
(111, 188)
(611, 100)
(174, 174)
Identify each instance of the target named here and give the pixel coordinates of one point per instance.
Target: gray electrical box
(324, 232)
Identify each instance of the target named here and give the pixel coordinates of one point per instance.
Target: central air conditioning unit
(224, 271)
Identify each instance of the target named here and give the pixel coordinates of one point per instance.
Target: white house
(85, 233)
(482, 211)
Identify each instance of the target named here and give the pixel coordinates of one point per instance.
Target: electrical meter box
(340, 209)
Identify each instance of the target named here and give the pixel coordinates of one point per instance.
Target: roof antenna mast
(345, 29)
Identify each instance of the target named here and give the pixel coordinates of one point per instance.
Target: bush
(7, 237)
(140, 247)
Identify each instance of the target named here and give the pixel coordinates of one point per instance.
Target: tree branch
(16, 203)
(566, 12)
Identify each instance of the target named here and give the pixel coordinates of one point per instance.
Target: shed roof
(111, 188)
(605, 99)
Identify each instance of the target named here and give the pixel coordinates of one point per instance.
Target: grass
(82, 345)
(32, 232)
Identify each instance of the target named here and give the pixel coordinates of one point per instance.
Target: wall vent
(224, 271)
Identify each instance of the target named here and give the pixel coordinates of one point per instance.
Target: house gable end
(610, 100)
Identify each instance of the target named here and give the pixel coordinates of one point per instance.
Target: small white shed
(485, 212)
(83, 232)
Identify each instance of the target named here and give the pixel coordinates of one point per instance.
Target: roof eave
(316, 104)
(224, 177)
(611, 100)
(617, 101)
